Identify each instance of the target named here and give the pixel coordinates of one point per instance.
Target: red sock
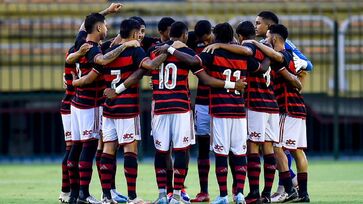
(254, 170)
(221, 173)
(130, 169)
(106, 170)
(65, 176)
(269, 172)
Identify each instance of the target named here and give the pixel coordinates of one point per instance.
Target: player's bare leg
(302, 174)
(130, 169)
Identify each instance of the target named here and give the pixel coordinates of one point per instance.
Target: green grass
(329, 182)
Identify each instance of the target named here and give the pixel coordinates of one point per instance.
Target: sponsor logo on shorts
(128, 136)
(157, 143)
(186, 139)
(255, 134)
(87, 132)
(68, 134)
(290, 142)
(218, 148)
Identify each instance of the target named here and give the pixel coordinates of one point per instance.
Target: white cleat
(240, 199)
(118, 197)
(136, 201)
(89, 200)
(64, 197)
(108, 201)
(221, 200)
(279, 196)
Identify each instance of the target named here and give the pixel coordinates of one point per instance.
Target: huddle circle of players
(248, 106)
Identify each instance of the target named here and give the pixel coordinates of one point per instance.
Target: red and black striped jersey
(227, 66)
(290, 101)
(90, 95)
(259, 94)
(126, 104)
(170, 84)
(149, 42)
(202, 89)
(70, 90)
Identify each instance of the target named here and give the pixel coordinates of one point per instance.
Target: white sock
(162, 191)
(177, 192)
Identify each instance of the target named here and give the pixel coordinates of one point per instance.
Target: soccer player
(261, 106)
(263, 20)
(65, 111)
(121, 115)
(292, 115)
(172, 121)
(85, 105)
(203, 36)
(227, 107)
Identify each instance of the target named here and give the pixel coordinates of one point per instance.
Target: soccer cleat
(265, 198)
(221, 200)
(72, 200)
(177, 199)
(252, 197)
(184, 196)
(89, 200)
(303, 199)
(279, 196)
(64, 197)
(291, 196)
(118, 197)
(162, 199)
(108, 201)
(169, 196)
(201, 197)
(136, 201)
(240, 199)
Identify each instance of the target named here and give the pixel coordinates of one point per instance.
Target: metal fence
(34, 38)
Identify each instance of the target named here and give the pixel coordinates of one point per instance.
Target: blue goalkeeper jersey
(290, 46)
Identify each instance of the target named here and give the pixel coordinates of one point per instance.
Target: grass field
(329, 182)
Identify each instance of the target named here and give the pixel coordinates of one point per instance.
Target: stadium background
(35, 34)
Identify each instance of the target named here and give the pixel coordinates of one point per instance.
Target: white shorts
(86, 123)
(292, 132)
(229, 134)
(176, 128)
(262, 127)
(66, 120)
(202, 120)
(124, 130)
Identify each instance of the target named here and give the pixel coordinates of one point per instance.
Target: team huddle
(248, 105)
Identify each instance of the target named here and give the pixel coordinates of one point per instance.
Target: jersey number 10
(164, 75)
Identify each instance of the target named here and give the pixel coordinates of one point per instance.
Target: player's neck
(123, 40)
(93, 38)
(164, 39)
(279, 46)
(176, 39)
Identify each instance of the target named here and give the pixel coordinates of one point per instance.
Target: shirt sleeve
(290, 46)
(138, 57)
(206, 58)
(92, 53)
(80, 39)
(252, 64)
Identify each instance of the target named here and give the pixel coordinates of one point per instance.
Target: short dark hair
(203, 27)
(269, 15)
(177, 29)
(246, 29)
(164, 23)
(138, 19)
(127, 26)
(280, 30)
(223, 32)
(91, 21)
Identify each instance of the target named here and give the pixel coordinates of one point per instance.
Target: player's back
(288, 98)
(259, 94)
(227, 66)
(126, 104)
(170, 84)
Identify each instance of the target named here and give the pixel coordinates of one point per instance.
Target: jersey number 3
(164, 75)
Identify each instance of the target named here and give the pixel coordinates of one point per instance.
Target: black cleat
(72, 200)
(252, 197)
(302, 199)
(265, 198)
(291, 196)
